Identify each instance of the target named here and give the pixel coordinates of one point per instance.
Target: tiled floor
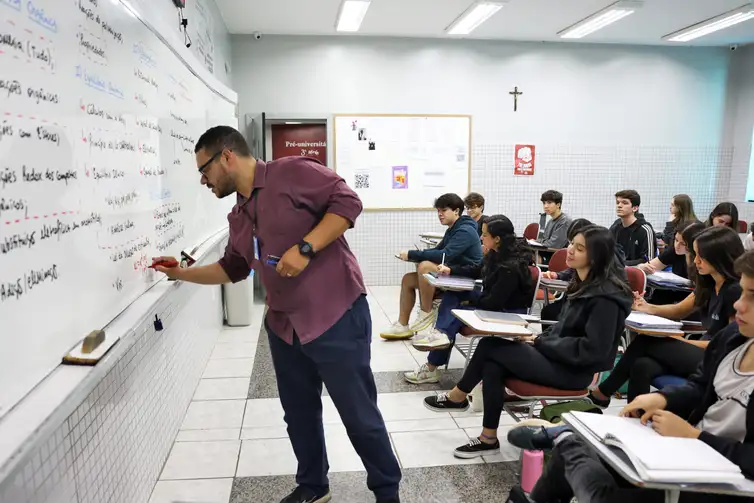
(233, 445)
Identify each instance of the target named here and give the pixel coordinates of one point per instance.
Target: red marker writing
(165, 263)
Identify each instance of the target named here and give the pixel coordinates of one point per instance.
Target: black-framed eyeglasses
(210, 161)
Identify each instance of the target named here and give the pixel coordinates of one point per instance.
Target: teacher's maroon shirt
(294, 194)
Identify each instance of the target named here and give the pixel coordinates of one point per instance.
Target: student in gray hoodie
(555, 234)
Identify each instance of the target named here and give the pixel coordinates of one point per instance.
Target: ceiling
(533, 20)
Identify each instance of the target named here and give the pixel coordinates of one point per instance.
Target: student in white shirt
(714, 406)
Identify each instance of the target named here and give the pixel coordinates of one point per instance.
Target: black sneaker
(517, 495)
(391, 500)
(535, 438)
(602, 404)
(305, 495)
(476, 448)
(441, 403)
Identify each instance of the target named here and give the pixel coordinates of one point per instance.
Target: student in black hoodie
(507, 286)
(583, 342)
(715, 252)
(714, 406)
(459, 246)
(632, 233)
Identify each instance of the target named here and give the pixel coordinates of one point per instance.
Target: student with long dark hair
(507, 286)
(717, 289)
(681, 213)
(675, 257)
(724, 215)
(585, 341)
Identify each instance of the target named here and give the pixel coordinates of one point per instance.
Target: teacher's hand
(292, 263)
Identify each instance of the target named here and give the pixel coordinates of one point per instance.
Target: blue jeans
(450, 325)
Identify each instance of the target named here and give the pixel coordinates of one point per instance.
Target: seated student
(681, 212)
(507, 286)
(675, 258)
(632, 233)
(585, 341)
(715, 252)
(459, 246)
(475, 209)
(551, 311)
(556, 230)
(713, 406)
(749, 239)
(724, 215)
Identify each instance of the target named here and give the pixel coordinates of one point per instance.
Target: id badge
(256, 249)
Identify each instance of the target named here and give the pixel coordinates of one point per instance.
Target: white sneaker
(424, 321)
(431, 340)
(397, 331)
(423, 375)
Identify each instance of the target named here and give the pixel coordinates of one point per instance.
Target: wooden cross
(515, 93)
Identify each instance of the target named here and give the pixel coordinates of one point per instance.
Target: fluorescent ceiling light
(474, 16)
(599, 20)
(712, 25)
(293, 123)
(351, 15)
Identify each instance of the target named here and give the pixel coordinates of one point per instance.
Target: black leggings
(576, 470)
(496, 360)
(649, 357)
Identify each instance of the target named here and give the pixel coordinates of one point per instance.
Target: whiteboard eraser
(92, 341)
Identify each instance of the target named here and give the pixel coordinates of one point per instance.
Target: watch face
(306, 249)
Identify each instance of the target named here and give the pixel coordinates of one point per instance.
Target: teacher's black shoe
(391, 500)
(305, 495)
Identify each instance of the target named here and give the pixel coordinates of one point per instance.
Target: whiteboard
(98, 119)
(403, 161)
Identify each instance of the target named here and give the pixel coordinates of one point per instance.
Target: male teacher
(318, 321)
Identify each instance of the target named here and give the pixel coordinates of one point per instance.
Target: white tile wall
(587, 176)
(114, 445)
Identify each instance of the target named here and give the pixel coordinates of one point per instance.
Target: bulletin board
(403, 162)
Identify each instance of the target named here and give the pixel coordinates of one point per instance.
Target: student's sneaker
(476, 448)
(423, 320)
(602, 404)
(535, 438)
(431, 340)
(441, 403)
(396, 331)
(305, 495)
(518, 495)
(423, 375)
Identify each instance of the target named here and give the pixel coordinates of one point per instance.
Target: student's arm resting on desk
(683, 399)
(673, 311)
(456, 246)
(602, 321)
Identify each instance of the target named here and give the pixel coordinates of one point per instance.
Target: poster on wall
(525, 156)
(400, 177)
(309, 140)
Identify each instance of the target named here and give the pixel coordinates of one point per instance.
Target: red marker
(165, 263)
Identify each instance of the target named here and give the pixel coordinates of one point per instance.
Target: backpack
(553, 413)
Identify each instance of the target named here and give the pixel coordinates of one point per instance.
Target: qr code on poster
(362, 181)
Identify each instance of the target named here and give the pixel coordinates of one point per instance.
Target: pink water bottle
(531, 470)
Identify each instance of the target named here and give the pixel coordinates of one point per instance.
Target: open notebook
(657, 458)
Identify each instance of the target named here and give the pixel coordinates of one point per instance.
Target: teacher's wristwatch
(306, 249)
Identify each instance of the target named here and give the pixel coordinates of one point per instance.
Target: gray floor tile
(441, 484)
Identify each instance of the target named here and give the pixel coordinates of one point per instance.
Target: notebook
(644, 320)
(535, 244)
(660, 459)
(668, 278)
(451, 282)
(504, 331)
(498, 317)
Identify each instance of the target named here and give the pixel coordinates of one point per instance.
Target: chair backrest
(531, 231)
(636, 279)
(558, 261)
(536, 276)
(743, 227)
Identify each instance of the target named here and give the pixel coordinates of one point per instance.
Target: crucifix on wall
(515, 93)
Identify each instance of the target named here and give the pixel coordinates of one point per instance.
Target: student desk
(429, 242)
(554, 285)
(537, 248)
(619, 462)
